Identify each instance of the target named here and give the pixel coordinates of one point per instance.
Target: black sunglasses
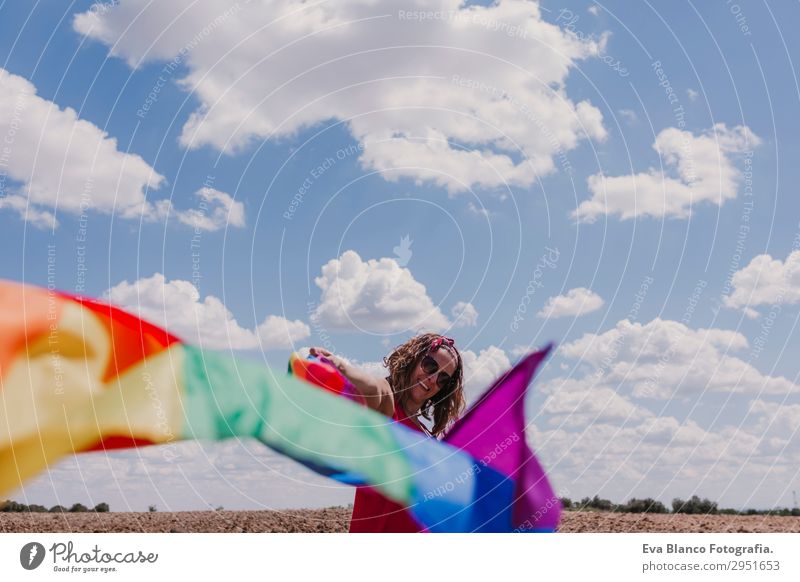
(430, 367)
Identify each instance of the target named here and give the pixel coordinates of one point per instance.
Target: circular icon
(31, 555)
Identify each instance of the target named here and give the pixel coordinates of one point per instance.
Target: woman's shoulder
(394, 415)
(387, 406)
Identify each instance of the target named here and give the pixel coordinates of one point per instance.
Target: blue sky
(616, 178)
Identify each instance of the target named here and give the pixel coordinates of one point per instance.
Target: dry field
(588, 521)
(335, 519)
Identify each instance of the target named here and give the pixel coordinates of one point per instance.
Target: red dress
(373, 513)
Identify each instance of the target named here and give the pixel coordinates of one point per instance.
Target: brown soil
(336, 519)
(588, 521)
(332, 519)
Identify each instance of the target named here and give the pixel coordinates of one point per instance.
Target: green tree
(601, 504)
(13, 507)
(647, 505)
(695, 505)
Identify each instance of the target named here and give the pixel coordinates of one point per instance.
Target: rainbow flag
(79, 375)
(321, 372)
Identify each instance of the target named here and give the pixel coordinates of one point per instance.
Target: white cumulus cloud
(664, 358)
(594, 438)
(575, 302)
(474, 99)
(176, 305)
(481, 369)
(53, 161)
(464, 314)
(573, 404)
(64, 162)
(32, 214)
(764, 282)
(704, 171)
(377, 296)
(217, 210)
(596, 446)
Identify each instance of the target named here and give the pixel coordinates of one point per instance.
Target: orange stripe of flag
(132, 339)
(26, 314)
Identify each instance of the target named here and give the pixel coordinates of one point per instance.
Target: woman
(425, 378)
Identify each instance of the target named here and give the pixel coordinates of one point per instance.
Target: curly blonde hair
(446, 405)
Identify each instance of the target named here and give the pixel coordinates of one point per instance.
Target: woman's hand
(340, 364)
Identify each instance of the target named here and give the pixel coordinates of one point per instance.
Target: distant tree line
(695, 505)
(9, 506)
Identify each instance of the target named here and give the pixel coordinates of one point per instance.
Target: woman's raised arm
(376, 391)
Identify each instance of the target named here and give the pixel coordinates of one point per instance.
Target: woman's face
(424, 385)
